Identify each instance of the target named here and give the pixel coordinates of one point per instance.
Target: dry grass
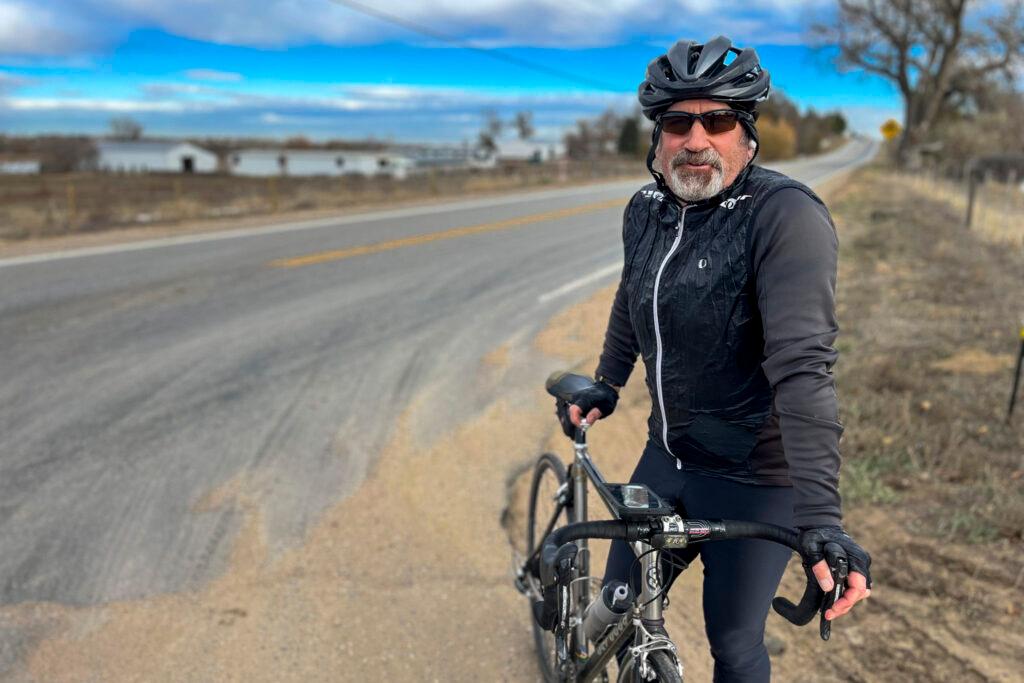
(998, 208)
(67, 204)
(929, 338)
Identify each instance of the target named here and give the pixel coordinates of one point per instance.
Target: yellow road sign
(891, 128)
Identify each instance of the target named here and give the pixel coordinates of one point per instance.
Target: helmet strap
(652, 153)
(752, 134)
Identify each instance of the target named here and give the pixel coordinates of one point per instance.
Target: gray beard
(694, 187)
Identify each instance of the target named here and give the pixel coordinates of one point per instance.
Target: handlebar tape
(560, 541)
(798, 614)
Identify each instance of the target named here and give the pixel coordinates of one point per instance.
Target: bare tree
(524, 125)
(930, 49)
(491, 131)
(125, 128)
(629, 143)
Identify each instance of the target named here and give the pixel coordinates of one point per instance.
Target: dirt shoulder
(931, 482)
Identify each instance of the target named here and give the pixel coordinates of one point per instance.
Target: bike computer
(634, 501)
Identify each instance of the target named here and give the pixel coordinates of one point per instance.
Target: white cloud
(423, 102)
(213, 75)
(69, 25)
(89, 104)
(26, 28)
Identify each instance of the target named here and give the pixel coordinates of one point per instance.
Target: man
(727, 293)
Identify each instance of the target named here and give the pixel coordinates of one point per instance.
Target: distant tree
(298, 142)
(524, 125)
(777, 138)
(490, 131)
(994, 127)
(629, 137)
(607, 128)
(780, 108)
(836, 123)
(580, 143)
(125, 128)
(929, 50)
(62, 154)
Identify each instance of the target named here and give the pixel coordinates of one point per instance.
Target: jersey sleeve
(794, 254)
(620, 347)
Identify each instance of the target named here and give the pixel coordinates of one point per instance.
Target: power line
(493, 54)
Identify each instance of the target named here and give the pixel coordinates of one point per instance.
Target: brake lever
(838, 566)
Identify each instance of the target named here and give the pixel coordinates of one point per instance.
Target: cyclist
(727, 292)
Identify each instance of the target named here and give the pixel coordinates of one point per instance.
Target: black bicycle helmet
(690, 71)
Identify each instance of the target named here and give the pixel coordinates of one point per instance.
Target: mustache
(705, 156)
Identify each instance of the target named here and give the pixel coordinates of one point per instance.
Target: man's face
(698, 165)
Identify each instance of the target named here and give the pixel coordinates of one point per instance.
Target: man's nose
(698, 138)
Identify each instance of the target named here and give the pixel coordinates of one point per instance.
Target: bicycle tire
(548, 475)
(662, 662)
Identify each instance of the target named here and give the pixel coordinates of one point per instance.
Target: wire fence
(991, 203)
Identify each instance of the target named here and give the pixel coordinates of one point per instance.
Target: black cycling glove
(598, 395)
(814, 539)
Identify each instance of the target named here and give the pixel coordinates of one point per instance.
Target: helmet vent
(667, 70)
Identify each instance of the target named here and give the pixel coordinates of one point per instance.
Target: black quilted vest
(712, 403)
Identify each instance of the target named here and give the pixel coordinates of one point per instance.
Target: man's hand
(575, 414)
(596, 401)
(858, 584)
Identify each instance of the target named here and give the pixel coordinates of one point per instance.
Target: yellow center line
(339, 254)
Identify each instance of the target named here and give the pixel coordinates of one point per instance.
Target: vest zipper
(657, 337)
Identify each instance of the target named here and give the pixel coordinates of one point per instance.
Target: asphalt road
(142, 381)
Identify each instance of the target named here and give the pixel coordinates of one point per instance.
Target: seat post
(579, 482)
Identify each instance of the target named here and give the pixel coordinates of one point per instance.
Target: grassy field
(48, 205)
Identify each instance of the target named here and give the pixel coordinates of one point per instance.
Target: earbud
(752, 144)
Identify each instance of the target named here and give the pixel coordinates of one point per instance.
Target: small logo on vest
(657, 195)
(733, 201)
(702, 264)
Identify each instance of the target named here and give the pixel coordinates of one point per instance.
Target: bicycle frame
(585, 469)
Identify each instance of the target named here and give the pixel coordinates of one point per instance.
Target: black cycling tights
(740, 577)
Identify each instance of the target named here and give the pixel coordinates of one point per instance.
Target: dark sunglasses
(714, 122)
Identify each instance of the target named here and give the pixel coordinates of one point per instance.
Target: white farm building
(316, 162)
(526, 150)
(151, 156)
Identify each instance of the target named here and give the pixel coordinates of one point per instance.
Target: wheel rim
(548, 478)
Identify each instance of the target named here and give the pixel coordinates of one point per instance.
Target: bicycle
(576, 637)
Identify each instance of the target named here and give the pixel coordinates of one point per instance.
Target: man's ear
(751, 148)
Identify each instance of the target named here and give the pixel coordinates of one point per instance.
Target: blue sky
(314, 67)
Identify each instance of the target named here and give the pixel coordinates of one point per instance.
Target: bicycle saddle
(564, 385)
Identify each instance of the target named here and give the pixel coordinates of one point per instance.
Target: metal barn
(149, 156)
(316, 162)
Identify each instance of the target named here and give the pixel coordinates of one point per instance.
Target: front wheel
(662, 663)
(547, 511)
